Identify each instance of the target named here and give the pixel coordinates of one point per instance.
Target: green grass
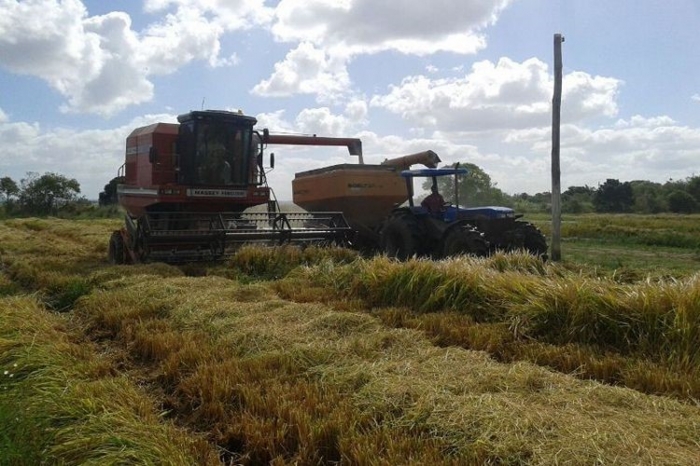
(628, 245)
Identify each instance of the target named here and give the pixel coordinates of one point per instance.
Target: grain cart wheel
(464, 240)
(116, 248)
(400, 237)
(531, 239)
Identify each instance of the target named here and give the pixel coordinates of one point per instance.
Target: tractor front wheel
(462, 240)
(531, 239)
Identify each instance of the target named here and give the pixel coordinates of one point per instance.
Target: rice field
(283, 356)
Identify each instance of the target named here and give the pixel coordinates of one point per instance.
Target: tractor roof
(431, 172)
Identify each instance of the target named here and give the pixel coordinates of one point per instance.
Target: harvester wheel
(465, 240)
(400, 237)
(116, 248)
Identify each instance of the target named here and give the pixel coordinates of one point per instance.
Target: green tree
(613, 196)
(682, 202)
(649, 197)
(577, 199)
(45, 194)
(694, 187)
(8, 188)
(109, 195)
(475, 188)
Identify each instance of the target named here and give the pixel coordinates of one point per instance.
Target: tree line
(56, 194)
(47, 194)
(613, 196)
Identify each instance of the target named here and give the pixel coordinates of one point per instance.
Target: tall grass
(277, 382)
(337, 362)
(61, 404)
(486, 303)
(276, 262)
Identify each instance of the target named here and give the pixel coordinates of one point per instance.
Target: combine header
(186, 188)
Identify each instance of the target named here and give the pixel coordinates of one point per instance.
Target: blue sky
(469, 79)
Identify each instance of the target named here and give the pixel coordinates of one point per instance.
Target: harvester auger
(187, 186)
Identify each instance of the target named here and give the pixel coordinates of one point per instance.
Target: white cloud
(3, 116)
(368, 26)
(356, 111)
(231, 15)
(696, 97)
(99, 63)
(331, 32)
(307, 70)
(320, 121)
(274, 121)
(639, 148)
(495, 96)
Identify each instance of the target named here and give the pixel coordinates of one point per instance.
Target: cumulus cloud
(231, 15)
(497, 96)
(307, 70)
(654, 149)
(320, 121)
(367, 26)
(99, 63)
(331, 33)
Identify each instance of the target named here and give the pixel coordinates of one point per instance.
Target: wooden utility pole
(556, 170)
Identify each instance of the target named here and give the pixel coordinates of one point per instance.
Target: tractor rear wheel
(464, 239)
(401, 237)
(116, 248)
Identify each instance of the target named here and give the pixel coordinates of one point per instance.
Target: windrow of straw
(284, 383)
(519, 311)
(268, 380)
(61, 404)
(52, 257)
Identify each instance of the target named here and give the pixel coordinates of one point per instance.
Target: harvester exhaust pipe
(428, 158)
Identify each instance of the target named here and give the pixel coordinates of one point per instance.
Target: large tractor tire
(530, 238)
(401, 237)
(116, 248)
(463, 240)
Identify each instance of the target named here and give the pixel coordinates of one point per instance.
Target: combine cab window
(221, 155)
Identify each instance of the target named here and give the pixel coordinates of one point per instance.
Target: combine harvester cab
(187, 187)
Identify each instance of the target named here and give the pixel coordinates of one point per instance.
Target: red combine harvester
(186, 188)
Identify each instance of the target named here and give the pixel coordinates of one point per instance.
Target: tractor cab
(219, 148)
(450, 211)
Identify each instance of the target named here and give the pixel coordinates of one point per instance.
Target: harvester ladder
(272, 204)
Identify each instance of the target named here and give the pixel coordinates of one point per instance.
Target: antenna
(203, 100)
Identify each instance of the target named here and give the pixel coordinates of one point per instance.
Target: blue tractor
(438, 229)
